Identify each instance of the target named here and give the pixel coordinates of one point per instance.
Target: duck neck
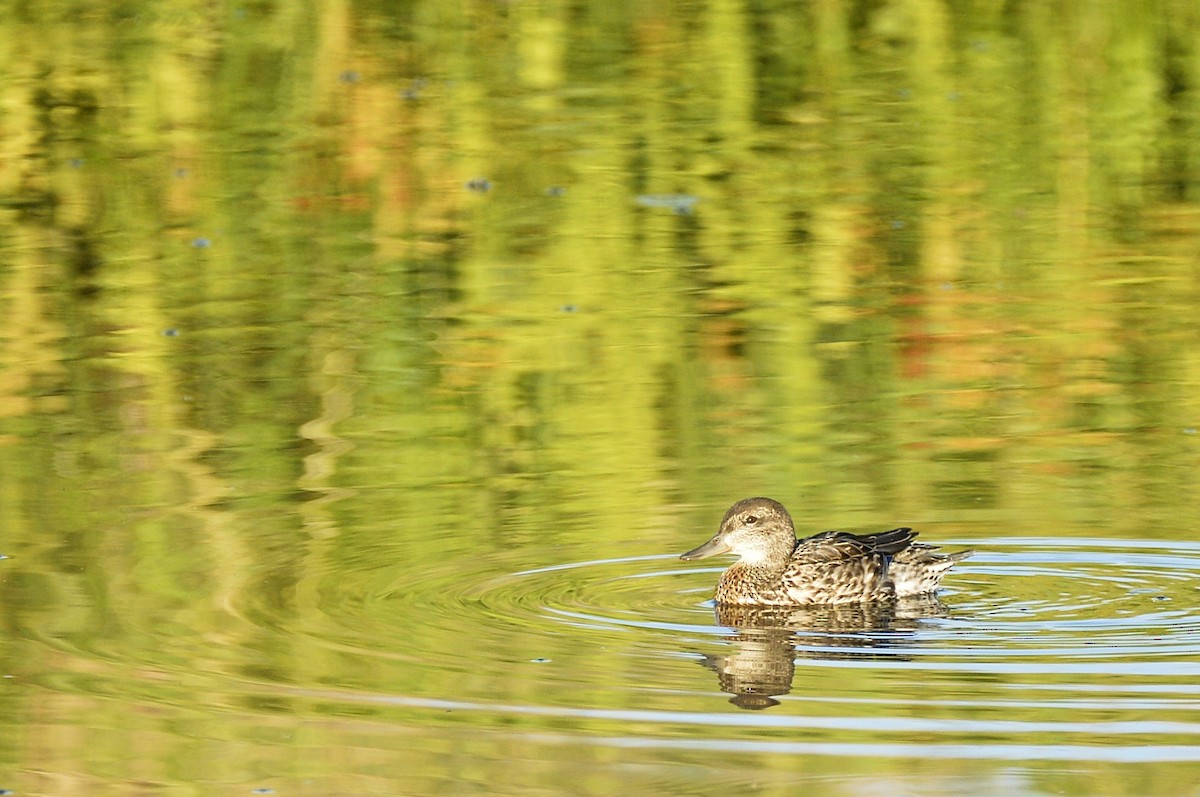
(763, 570)
(767, 563)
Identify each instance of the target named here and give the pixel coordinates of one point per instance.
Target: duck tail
(921, 569)
(957, 556)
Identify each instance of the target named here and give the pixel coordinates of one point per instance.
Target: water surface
(363, 372)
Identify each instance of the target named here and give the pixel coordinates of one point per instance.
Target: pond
(365, 370)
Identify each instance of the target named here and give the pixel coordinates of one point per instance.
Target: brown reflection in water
(763, 662)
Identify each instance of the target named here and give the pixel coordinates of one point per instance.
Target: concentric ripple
(1060, 648)
(1070, 599)
(1129, 606)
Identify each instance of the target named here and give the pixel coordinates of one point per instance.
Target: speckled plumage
(776, 569)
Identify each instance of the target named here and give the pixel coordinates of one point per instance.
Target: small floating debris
(680, 203)
(201, 242)
(170, 332)
(556, 191)
(480, 185)
(1190, 430)
(262, 791)
(413, 92)
(75, 163)
(569, 308)
(2, 556)
(540, 661)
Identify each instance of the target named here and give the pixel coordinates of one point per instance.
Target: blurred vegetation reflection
(290, 290)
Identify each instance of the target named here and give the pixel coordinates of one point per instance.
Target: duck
(833, 567)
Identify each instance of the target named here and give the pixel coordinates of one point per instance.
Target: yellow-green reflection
(309, 308)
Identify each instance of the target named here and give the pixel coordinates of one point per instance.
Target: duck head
(757, 530)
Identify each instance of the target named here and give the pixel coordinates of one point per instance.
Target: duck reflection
(768, 639)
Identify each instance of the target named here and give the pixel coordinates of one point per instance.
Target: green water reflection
(318, 318)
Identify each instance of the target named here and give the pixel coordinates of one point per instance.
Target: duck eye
(751, 520)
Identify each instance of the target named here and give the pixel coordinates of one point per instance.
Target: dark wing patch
(835, 546)
(892, 542)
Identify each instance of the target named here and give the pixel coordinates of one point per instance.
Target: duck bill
(713, 547)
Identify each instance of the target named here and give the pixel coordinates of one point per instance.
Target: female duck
(776, 569)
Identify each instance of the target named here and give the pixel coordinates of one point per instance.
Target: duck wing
(835, 546)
